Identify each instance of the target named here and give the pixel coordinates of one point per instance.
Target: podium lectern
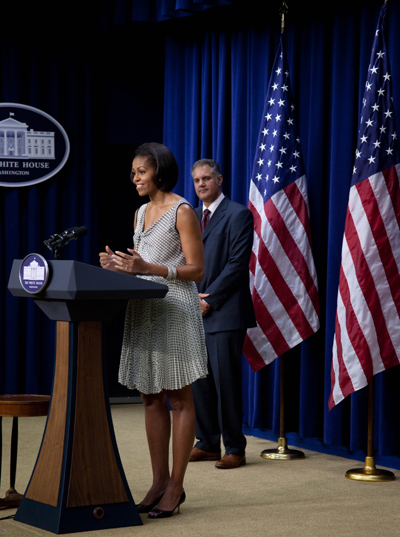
(78, 483)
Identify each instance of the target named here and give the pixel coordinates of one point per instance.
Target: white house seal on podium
(34, 273)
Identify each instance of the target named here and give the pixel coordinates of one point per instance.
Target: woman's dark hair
(163, 161)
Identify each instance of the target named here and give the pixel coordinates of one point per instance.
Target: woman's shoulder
(185, 213)
(139, 215)
(176, 199)
(182, 205)
(183, 201)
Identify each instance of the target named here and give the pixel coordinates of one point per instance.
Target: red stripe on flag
(381, 239)
(343, 380)
(371, 296)
(256, 218)
(283, 291)
(256, 362)
(293, 252)
(392, 184)
(268, 325)
(295, 198)
(253, 263)
(356, 337)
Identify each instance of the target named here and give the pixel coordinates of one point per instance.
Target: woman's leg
(158, 431)
(183, 433)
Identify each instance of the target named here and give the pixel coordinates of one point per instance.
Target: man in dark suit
(227, 311)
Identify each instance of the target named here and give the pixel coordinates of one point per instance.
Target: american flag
(367, 328)
(283, 279)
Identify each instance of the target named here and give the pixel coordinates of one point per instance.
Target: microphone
(73, 233)
(59, 240)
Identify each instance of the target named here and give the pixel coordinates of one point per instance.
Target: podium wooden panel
(78, 483)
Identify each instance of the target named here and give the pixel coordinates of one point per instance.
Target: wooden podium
(78, 483)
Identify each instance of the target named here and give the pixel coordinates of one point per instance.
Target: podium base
(77, 519)
(78, 483)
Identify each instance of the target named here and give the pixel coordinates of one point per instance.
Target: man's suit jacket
(228, 239)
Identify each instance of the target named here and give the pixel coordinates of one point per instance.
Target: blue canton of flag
(278, 159)
(378, 146)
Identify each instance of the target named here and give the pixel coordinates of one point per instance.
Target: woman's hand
(130, 263)
(106, 259)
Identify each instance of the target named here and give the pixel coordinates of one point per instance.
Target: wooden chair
(17, 406)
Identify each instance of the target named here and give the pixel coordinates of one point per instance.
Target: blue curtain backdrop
(216, 75)
(193, 74)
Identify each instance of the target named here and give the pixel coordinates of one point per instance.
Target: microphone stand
(55, 250)
(57, 241)
(55, 244)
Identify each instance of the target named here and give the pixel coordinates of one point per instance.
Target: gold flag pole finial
(283, 10)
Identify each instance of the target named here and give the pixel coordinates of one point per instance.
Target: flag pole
(282, 452)
(283, 10)
(370, 472)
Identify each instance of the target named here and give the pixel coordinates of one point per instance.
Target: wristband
(172, 272)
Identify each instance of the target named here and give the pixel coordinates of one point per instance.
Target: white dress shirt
(214, 205)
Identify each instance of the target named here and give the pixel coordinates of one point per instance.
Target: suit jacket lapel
(199, 212)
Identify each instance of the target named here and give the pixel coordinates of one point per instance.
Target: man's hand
(205, 308)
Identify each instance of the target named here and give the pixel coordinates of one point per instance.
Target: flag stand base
(370, 472)
(282, 452)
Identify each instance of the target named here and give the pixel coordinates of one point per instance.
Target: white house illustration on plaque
(34, 272)
(16, 141)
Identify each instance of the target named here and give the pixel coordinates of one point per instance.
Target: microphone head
(79, 231)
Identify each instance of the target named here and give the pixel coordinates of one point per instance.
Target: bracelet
(172, 272)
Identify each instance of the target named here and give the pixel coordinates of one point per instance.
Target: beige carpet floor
(309, 497)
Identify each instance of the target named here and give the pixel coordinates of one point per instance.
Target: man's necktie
(206, 218)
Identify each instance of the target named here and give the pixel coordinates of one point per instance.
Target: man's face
(206, 184)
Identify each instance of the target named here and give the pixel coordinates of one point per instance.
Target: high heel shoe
(143, 508)
(160, 513)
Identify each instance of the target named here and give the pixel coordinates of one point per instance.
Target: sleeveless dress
(163, 345)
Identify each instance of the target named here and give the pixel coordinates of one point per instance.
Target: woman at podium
(163, 350)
